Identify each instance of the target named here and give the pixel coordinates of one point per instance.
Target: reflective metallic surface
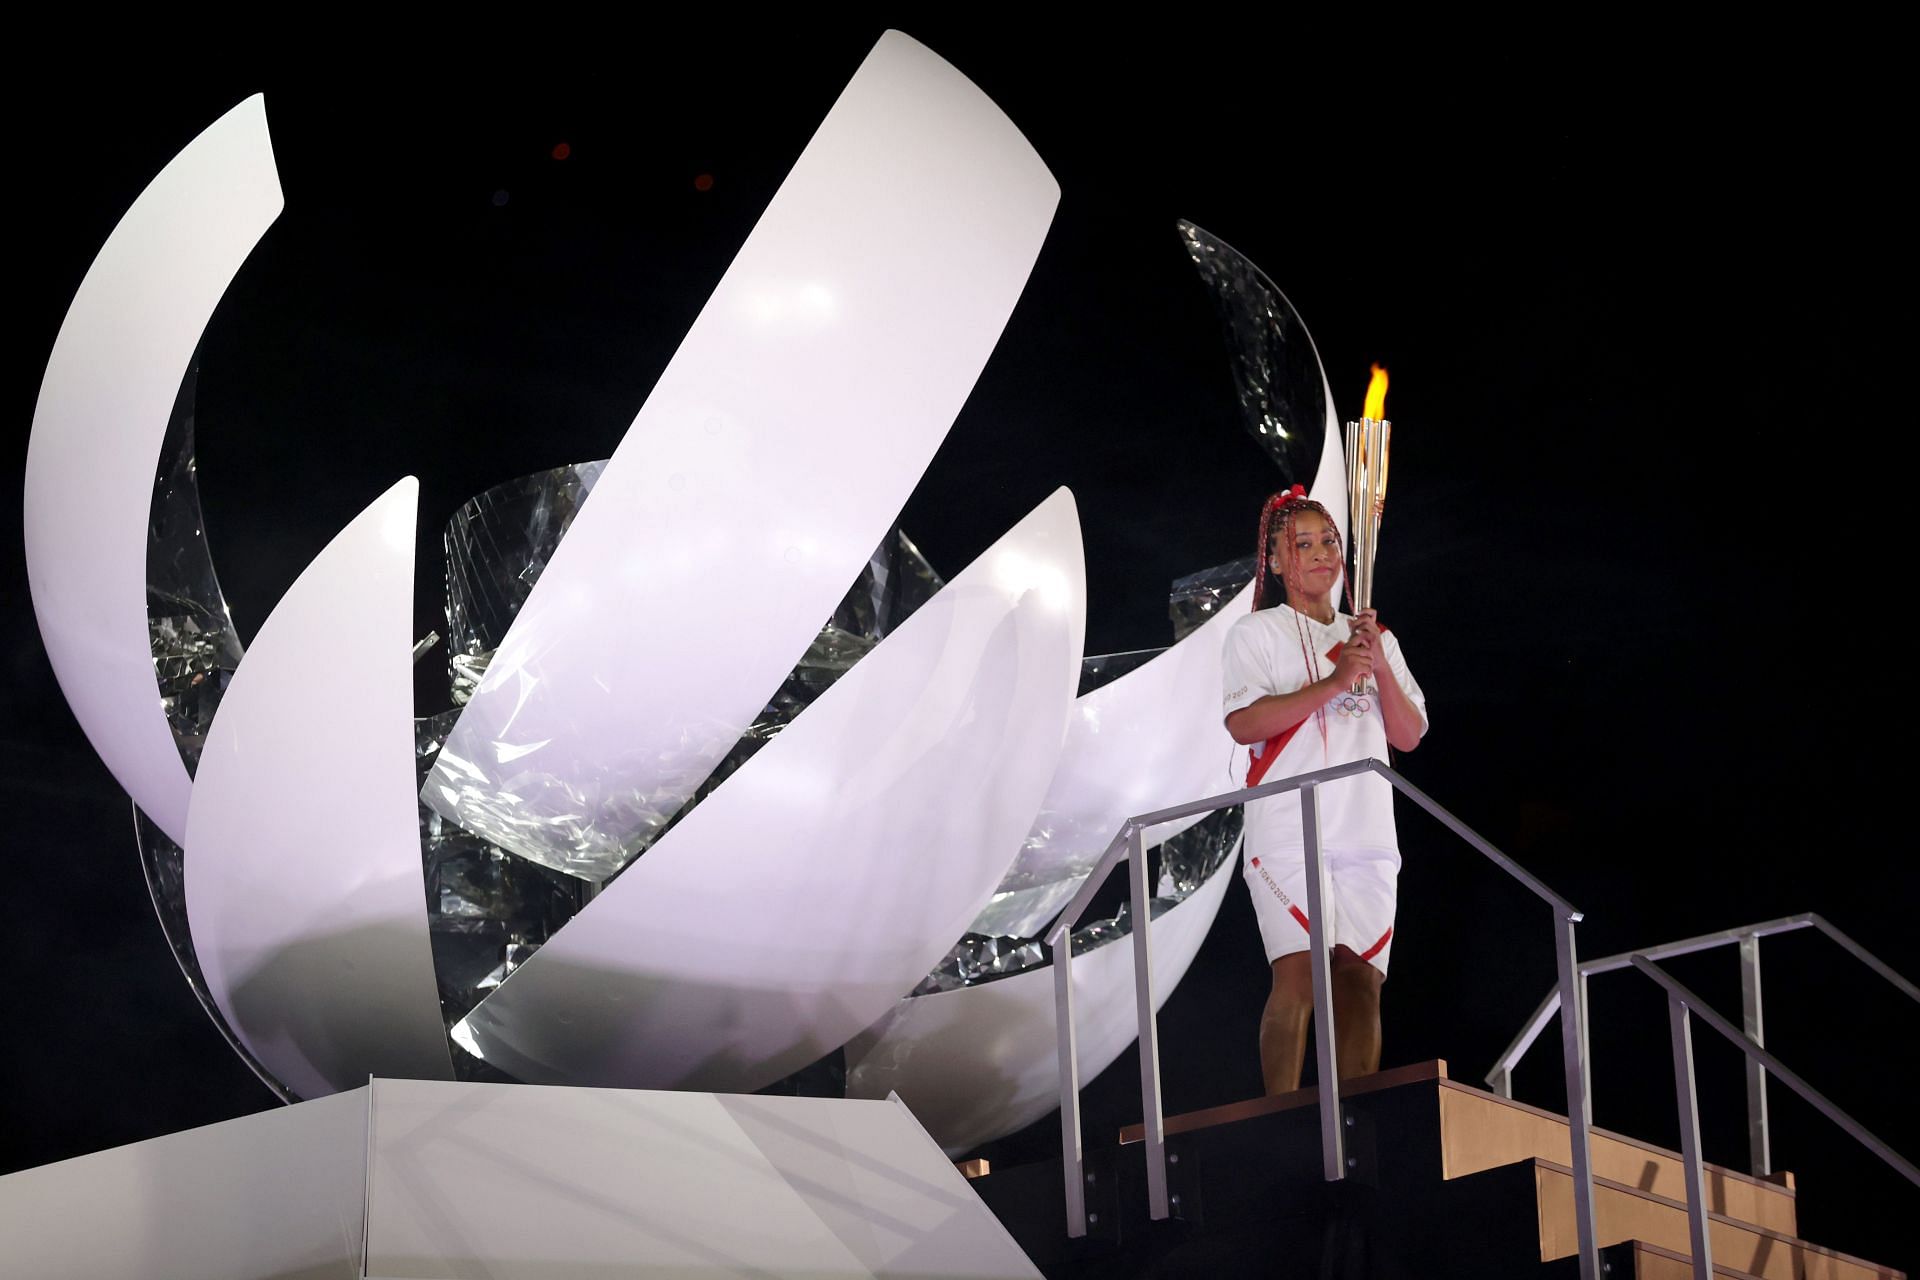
(487, 910)
(1276, 371)
(302, 868)
(828, 875)
(497, 545)
(105, 404)
(194, 643)
(851, 326)
(1100, 669)
(1198, 597)
(1185, 860)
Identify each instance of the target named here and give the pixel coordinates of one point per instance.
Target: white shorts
(1362, 888)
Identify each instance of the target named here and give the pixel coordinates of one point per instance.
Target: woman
(1291, 667)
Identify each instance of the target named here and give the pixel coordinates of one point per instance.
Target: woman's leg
(1356, 1014)
(1356, 1018)
(1283, 1027)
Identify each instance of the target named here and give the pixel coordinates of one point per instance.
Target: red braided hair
(1287, 506)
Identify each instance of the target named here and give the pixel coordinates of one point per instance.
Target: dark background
(1639, 298)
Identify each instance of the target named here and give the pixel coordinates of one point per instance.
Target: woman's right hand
(1355, 661)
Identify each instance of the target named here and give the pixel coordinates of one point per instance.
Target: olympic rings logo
(1352, 705)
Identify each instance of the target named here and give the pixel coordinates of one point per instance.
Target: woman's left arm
(1403, 720)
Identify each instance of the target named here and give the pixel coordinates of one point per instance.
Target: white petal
(773, 454)
(103, 411)
(305, 895)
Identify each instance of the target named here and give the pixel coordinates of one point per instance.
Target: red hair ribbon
(1285, 496)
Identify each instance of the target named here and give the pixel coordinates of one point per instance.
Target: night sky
(1643, 547)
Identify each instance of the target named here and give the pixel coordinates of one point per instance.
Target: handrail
(1681, 1003)
(1500, 1076)
(1128, 844)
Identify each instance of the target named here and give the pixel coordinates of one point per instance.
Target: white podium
(423, 1180)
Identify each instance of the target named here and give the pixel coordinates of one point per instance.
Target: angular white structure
(851, 327)
(281, 1193)
(980, 1062)
(527, 1183)
(423, 1180)
(102, 416)
(303, 877)
(797, 903)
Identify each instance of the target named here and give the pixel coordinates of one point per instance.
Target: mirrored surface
(1183, 863)
(1277, 377)
(487, 910)
(1197, 597)
(195, 646)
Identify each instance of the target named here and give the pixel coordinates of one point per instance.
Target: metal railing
(1129, 844)
(1752, 1012)
(1681, 1005)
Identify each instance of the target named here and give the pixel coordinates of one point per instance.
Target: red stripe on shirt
(1257, 765)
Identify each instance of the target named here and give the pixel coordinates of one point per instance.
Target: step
(1651, 1262)
(1636, 1260)
(1481, 1130)
(1252, 1108)
(1624, 1212)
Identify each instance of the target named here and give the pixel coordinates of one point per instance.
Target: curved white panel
(850, 329)
(1149, 740)
(800, 899)
(978, 1063)
(305, 896)
(97, 429)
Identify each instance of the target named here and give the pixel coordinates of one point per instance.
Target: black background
(1639, 293)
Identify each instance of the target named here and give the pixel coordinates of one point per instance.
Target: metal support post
(1070, 1157)
(1500, 1080)
(1586, 1037)
(1759, 1147)
(1696, 1177)
(1150, 1115)
(1333, 1154)
(1579, 1096)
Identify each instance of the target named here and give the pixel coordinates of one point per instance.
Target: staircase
(1445, 1180)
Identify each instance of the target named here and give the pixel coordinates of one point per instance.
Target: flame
(1376, 396)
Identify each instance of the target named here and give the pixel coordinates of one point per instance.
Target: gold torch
(1367, 442)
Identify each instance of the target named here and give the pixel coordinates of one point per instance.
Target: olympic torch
(1367, 446)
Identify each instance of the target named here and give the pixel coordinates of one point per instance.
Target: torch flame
(1376, 396)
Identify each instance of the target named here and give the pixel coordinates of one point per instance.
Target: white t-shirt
(1279, 650)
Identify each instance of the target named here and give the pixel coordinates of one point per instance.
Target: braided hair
(1278, 516)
